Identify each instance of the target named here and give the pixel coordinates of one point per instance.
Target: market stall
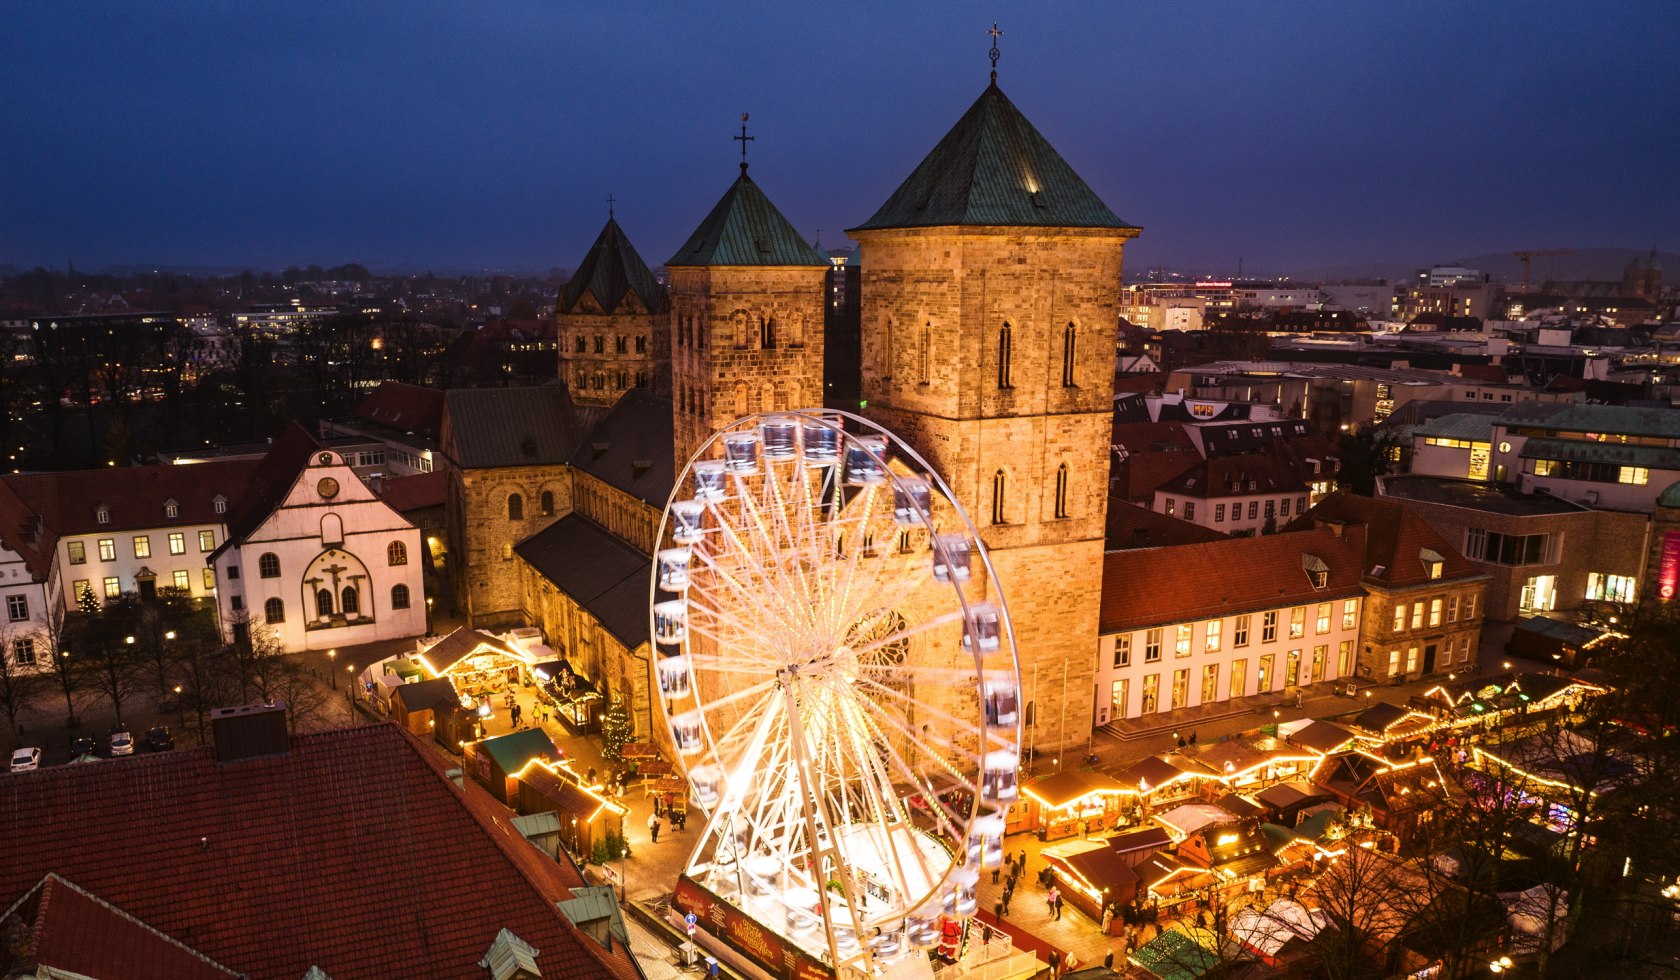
(1074, 803)
(1092, 875)
(576, 700)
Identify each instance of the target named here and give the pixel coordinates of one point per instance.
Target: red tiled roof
(1394, 538)
(1131, 526)
(1152, 586)
(1485, 373)
(23, 531)
(1147, 383)
(1230, 476)
(1141, 473)
(78, 933)
(135, 495)
(408, 493)
(406, 407)
(273, 865)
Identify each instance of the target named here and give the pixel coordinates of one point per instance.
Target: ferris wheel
(840, 680)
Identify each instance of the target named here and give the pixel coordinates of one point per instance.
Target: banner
(747, 935)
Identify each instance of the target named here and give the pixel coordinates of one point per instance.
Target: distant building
(1236, 495)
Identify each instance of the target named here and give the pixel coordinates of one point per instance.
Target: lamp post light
(180, 708)
(332, 658)
(429, 601)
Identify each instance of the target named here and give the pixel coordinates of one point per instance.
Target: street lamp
(128, 640)
(1500, 965)
(180, 707)
(332, 658)
(429, 601)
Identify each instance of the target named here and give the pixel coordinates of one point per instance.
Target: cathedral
(990, 289)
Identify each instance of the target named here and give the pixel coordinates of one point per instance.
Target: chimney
(250, 731)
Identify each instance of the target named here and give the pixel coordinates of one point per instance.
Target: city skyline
(203, 136)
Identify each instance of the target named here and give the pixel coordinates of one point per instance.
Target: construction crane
(1535, 253)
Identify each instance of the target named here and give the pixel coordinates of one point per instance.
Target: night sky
(448, 135)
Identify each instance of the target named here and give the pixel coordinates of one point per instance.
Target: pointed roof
(745, 229)
(611, 271)
(994, 168)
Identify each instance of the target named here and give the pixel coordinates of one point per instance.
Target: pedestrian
(1055, 963)
(1108, 961)
(712, 968)
(1055, 902)
(997, 872)
(1181, 741)
(1008, 893)
(1297, 699)
(589, 779)
(1192, 738)
(653, 827)
(997, 910)
(658, 804)
(1108, 918)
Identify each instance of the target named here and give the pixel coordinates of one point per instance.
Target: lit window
(178, 543)
(1350, 613)
(183, 579)
(113, 587)
(207, 541)
(1297, 622)
(142, 546)
(1181, 643)
(1214, 628)
(77, 552)
(17, 608)
(1152, 646)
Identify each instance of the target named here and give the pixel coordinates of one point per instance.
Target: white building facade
(322, 564)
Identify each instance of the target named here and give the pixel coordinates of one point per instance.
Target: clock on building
(327, 488)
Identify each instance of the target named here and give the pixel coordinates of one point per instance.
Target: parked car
(26, 759)
(122, 743)
(158, 740)
(81, 747)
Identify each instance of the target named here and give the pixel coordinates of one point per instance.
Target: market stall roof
(426, 695)
(1151, 771)
(1148, 839)
(1314, 827)
(1174, 956)
(1238, 805)
(1285, 795)
(1238, 754)
(448, 653)
(1563, 757)
(1267, 930)
(1104, 869)
(1380, 717)
(515, 750)
(566, 794)
(1063, 788)
(1182, 821)
(1573, 634)
(1321, 737)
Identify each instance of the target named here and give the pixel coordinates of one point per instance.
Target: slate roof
(1460, 425)
(77, 933)
(266, 865)
(1581, 417)
(68, 501)
(744, 228)
(271, 478)
(601, 573)
(1579, 450)
(632, 449)
(994, 168)
(1395, 537)
(1232, 476)
(1065, 787)
(611, 271)
(494, 427)
(404, 407)
(448, 651)
(1154, 586)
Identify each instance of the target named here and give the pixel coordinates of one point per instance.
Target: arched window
(350, 604)
(581, 344)
(396, 553)
(1069, 347)
(1005, 352)
(998, 488)
(268, 566)
(546, 503)
(516, 507)
(740, 398)
(1062, 490)
(399, 596)
(767, 333)
(927, 352)
(323, 603)
(274, 611)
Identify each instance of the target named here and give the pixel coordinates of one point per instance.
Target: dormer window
(220, 503)
(1318, 573)
(1433, 563)
(102, 514)
(171, 509)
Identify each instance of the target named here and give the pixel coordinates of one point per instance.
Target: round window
(1504, 447)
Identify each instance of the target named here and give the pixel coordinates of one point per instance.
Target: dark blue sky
(447, 134)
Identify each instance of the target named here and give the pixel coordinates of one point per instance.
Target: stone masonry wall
(487, 576)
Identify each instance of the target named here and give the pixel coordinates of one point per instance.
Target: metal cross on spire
(995, 33)
(610, 202)
(745, 139)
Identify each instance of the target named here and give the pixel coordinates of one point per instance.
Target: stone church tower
(990, 292)
(612, 322)
(746, 317)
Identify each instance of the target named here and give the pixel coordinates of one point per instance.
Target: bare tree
(18, 682)
(305, 698)
(56, 632)
(114, 670)
(207, 675)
